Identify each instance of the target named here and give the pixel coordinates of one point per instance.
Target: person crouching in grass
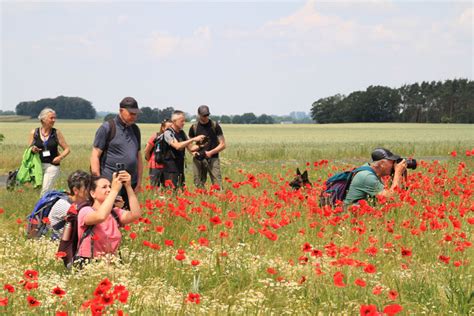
(106, 219)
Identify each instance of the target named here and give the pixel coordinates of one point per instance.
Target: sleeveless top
(50, 144)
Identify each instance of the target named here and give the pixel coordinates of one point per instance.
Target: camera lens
(411, 164)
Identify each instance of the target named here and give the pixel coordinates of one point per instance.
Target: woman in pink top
(106, 235)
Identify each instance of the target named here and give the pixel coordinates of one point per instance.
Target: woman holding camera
(45, 141)
(106, 219)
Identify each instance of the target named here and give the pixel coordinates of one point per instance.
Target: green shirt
(365, 184)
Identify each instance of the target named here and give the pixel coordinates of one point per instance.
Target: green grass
(232, 274)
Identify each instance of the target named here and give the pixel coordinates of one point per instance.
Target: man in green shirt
(366, 184)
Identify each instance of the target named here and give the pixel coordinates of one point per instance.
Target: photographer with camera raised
(175, 143)
(206, 160)
(368, 183)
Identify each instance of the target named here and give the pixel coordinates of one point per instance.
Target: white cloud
(165, 45)
(467, 18)
(309, 31)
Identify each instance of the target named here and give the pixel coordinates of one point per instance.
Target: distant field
(273, 144)
(13, 118)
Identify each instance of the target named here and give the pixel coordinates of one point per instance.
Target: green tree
(65, 107)
(225, 119)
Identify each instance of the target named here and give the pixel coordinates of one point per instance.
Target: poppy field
(258, 246)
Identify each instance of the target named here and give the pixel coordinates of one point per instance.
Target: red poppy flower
(339, 279)
(61, 313)
(368, 310)
(360, 282)
(392, 294)
(307, 247)
(193, 298)
(195, 263)
(203, 241)
(30, 285)
(123, 296)
(9, 288)
(133, 235)
(31, 274)
(33, 302)
(393, 309)
(377, 290)
(444, 259)
(58, 291)
(406, 252)
(96, 309)
(180, 257)
(107, 299)
(271, 270)
(4, 301)
(159, 229)
(215, 220)
(369, 268)
(169, 243)
(61, 254)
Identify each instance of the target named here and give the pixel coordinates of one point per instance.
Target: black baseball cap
(203, 110)
(130, 104)
(382, 153)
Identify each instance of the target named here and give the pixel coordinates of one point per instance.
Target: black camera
(411, 163)
(119, 166)
(203, 142)
(200, 155)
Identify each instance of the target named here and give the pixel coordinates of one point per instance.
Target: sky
(235, 56)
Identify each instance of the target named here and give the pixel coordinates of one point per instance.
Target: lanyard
(45, 142)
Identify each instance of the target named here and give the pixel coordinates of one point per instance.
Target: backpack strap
(195, 128)
(214, 127)
(90, 232)
(110, 136)
(136, 132)
(363, 168)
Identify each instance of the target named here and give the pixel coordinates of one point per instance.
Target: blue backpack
(338, 185)
(36, 226)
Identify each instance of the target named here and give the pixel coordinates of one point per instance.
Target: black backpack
(159, 148)
(12, 182)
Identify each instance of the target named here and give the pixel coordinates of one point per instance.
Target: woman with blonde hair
(45, 140)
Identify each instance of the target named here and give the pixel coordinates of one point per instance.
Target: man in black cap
(117, 144)
(206, 160)
(367, 183)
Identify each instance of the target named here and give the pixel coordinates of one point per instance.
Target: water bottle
(67, 232)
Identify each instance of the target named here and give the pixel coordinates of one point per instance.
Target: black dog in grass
(301, 180)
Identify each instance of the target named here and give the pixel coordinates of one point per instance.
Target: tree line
(65, 107)
(451, 101)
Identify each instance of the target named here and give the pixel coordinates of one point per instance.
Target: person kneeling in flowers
(106, 219)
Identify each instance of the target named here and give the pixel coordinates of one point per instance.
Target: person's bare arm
(184, 144)
(140, 171)
(95, 161)
(101, 214)
(218, 148)
(66, 150)
(400, 169)
(148, 149)
(135, 210)
(30, 142)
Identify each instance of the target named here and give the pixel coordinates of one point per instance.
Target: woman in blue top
(45, 141)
